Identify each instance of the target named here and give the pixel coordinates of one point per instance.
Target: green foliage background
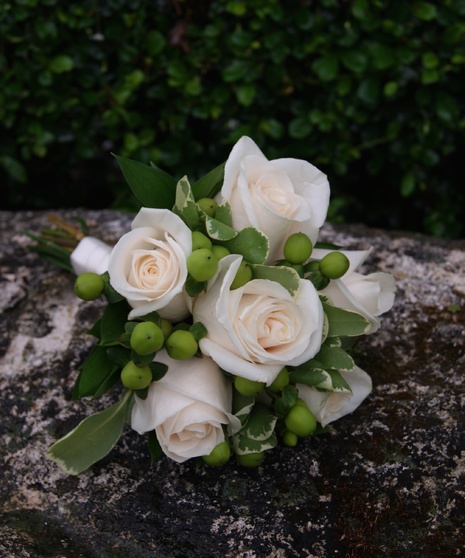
(371, 92)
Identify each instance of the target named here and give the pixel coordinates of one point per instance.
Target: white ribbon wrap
(91, 255)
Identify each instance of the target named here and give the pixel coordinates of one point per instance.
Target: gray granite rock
(388, 481)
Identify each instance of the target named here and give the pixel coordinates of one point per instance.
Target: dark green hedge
(372, 92)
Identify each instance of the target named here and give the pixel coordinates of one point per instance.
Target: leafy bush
(370, 92)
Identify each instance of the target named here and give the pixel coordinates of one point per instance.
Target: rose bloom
(148, 264)
(328, 406)
(187, 408)
(369, 295)
(278, 197)
(255, 330)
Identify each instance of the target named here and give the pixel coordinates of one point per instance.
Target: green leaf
(223, 214)
(261, 423)
(369, 90)
(326, 67)
(407, 185)
(313, 374)
(290, 395)
(217, 230)
(285, 276)
(337, 382)
(424, 10)
(97, 372)
(243, 445)
(152, 186)
(61, 64)
(309, 373)
(154, 447)
(245, 94)
(300, 127)
(109, 292)
(92, 439)
(241, 406)
(210, 184)
(335, 358)
(158, 369)
(193, 287)
(198, 330)
(354, 60)
(185, 205)
(112, 323)
(344, 322)
(251, 243)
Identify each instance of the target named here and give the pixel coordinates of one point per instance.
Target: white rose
(369, 295)
(255, 330)
(187, 408)
(90, 255)
(148, 264)
(278, 197)
(328, 406)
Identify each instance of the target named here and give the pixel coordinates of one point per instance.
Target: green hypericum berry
(202, 264)
(281, 380)
(219, 455)
(220, 251)
(300, 420)
(135, 377)
(200, 240)
(181, 345)
(208, 206)
(248, 387)
(250, 459)
(290, 439)
(334, 265)
(166, 327)
(243, 275)
(301, 402)
(298, 248)
(146, 338)
(88, 286)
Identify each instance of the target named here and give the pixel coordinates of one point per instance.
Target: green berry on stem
(248, 387)
(166, 327)
(243, 275)
(88, 286)
(334, 265)
(290, 439)
(181, 345)
(208, 206)
(200, 240)
(250, 459)
(220, 251)
(300, 420)
(219, 455)
(135, 377)
(202, 264)
(281, 380)
(298, 248)
(146, 338)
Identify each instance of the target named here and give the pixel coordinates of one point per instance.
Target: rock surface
(388, 481)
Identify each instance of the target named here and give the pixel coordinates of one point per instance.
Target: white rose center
(155, 270)
(265, 325)
(277, 192)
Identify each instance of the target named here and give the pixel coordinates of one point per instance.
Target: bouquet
(227, 327)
